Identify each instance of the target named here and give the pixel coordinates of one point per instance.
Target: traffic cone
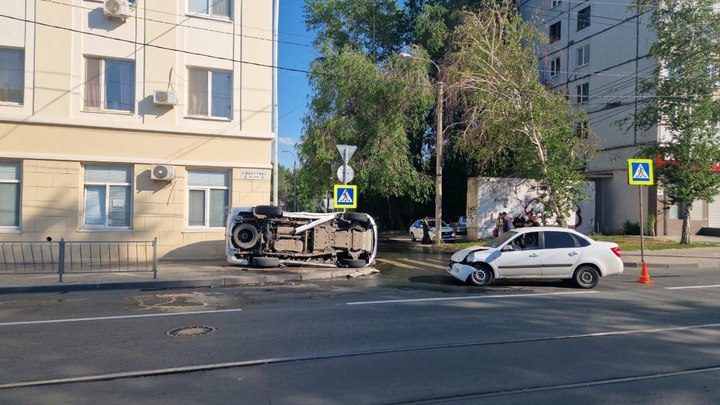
(644, 276)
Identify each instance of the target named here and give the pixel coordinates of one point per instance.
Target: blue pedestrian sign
(640, 172)
(345, 196)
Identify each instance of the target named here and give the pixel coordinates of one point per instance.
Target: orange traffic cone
(644, 276)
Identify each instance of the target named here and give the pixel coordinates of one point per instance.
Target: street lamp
(438, 147)
(295, 192)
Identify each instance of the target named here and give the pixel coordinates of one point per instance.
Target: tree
(684, 101)
(507, 120)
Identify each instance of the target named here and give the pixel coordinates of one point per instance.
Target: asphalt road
(410, 334)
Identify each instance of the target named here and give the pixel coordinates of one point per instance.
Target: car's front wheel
(412, 237)
(586, 277)
(481, 276)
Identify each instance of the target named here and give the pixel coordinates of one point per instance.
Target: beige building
(133, 119)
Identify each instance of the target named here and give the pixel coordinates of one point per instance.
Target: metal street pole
(438, 162)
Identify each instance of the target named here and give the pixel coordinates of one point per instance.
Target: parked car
(265, 236)
(416, 231)
(459, 224)
(538, 252)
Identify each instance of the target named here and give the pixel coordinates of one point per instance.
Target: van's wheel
(265, 262)
(481, 276)
(353, 263)
(586, 277)
(355, 216)
(245, 236)
(269, 211)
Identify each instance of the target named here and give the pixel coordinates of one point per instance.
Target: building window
(9, 195)
(583, 93)
(554, 67)
(583, 55)
(218, 8)
(555, 32)
(583, 18)
(12, 75)
(107, 197)
(109, 85)
(555, 3)
(210, 93)
(208, 198)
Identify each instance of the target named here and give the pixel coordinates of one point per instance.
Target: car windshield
(431, 222)
(493, 243)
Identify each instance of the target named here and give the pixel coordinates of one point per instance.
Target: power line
(181, 24)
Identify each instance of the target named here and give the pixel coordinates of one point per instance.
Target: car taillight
(617, 251)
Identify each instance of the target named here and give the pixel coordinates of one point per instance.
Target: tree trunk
(685, 238)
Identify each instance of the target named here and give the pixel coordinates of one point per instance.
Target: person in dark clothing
(518, 221)
(426, 231)
(532, 220)
(506, 222)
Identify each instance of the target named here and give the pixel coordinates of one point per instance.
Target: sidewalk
(173, 275)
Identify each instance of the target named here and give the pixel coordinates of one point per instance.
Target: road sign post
(640, 173)
(345, 173)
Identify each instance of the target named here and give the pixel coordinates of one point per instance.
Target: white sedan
(538, 252)
(416, 231)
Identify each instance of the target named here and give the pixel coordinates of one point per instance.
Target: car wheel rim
(479, 276)
(586, 277)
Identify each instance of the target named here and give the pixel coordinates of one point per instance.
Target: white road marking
(426, 264)
(397, 264)
(106, 318)
(472, 297)
(693, 286)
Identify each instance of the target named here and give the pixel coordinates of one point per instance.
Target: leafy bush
(631, 228)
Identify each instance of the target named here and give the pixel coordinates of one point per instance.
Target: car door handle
(573, 254)
(534, 255)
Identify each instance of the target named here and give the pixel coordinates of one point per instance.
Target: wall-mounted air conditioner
(162, 172)
(118, 8)
(165, 97)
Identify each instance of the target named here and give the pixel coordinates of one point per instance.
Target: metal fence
(66, 257)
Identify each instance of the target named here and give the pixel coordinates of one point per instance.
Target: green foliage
(376, 108)
(509, 120)
(631, 228)
(685, 101)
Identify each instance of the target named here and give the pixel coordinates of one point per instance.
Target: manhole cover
(191, 331)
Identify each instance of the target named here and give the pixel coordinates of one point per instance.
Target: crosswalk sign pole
(642, 234)
(640, 173)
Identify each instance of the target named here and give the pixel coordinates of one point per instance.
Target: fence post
(154, 264)
(61, 259)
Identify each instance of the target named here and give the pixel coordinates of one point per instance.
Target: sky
(294, 52)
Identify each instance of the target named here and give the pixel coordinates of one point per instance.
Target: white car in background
(265, 236)
(416, 231)
(538, 253)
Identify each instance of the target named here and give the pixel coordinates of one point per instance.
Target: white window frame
(585, 58)
(206, 192)
(582, 96)
(228, 17)
(22, 101)
(18, 181)
(209, 73)
(105, 226)
(555, 67)
(101, 78)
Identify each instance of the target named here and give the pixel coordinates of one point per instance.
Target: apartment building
(134, 119)
(598, 54)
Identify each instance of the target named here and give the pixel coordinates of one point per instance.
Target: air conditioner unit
(162, 172)
(165, 97)
(118, 8)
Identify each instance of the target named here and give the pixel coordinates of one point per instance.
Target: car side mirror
(508, 248)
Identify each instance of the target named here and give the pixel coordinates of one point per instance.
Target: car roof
(545, 228)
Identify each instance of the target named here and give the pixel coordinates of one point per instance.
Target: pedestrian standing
(426, 231)
(519, 221)
(506, 222)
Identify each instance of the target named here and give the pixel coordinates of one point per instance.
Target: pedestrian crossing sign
(640, 172)
(345, 196)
